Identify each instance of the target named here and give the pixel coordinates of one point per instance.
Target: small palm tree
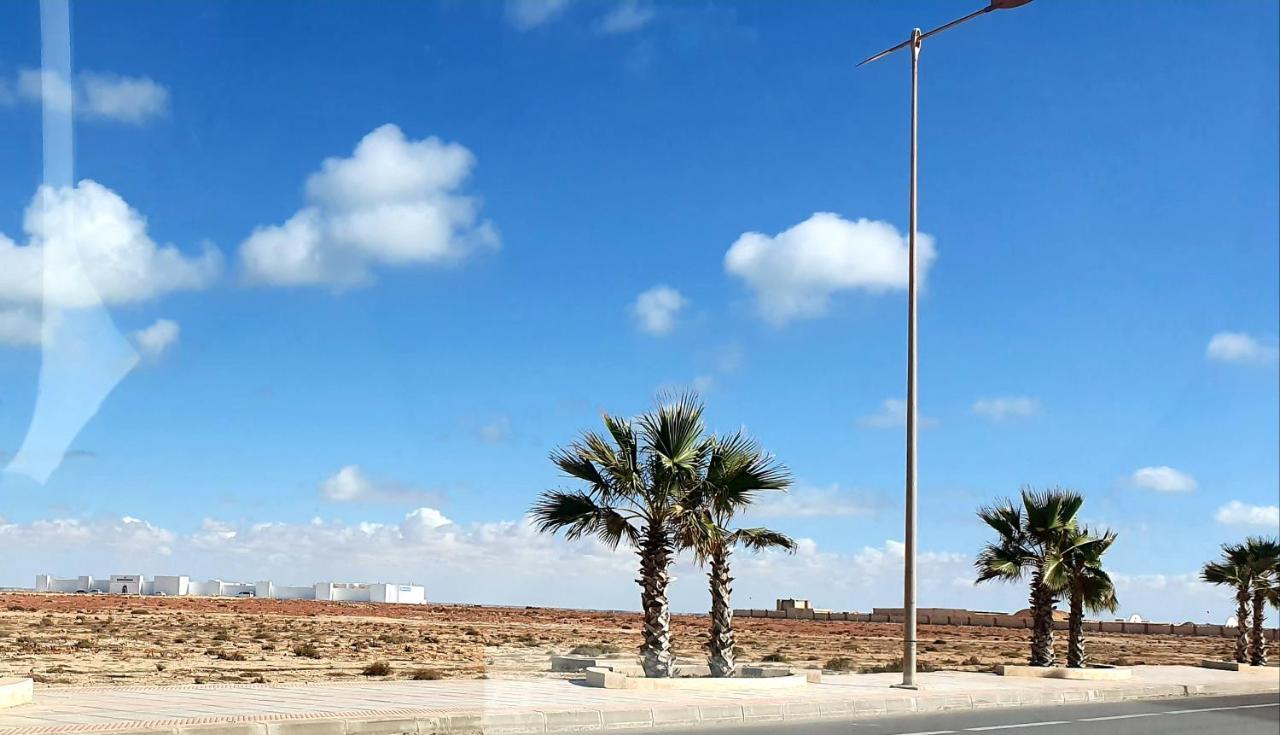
(638, 485)
(1088, 586)
(1031, 542)
(736, 472)
(1233, 570)
(1263, 556)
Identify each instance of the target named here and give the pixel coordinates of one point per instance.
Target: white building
(183, 586)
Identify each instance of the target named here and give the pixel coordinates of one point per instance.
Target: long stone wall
(995, 620)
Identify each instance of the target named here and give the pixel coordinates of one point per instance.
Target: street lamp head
(1006, 4)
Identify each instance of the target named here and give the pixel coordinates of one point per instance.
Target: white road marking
(1123, 717)
(1219, 709)
(1095, 719)
(1020, 724)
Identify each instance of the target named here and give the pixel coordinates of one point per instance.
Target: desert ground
(77, 640)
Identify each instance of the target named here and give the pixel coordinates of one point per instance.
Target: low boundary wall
(991, 620)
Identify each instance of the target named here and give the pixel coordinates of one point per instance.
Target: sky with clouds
(364, 271)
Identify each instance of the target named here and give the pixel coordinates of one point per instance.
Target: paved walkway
(546, 706)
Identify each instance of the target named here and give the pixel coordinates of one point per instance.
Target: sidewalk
(553, 706)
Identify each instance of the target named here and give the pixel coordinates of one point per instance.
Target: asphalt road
(1256, 714)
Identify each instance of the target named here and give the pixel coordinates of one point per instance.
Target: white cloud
(656, 310)
(508, 562)
(1003, 408)
(156, 339)
(352, 484)
(96, 95)
(39, 85)
(528, 14)
(87, 247)
(117, 534)
(495, 431)
(20, 326)
(625, 17)
(813, 502)
(1236, 513)
(794, 273)
(893, 414)
(394, 202)
(1163, 479)
(1239, 347)
(125, 99)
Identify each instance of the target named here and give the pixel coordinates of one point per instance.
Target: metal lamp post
(909, 566)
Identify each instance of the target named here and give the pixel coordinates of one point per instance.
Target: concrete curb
(549, 721)
(14, 692)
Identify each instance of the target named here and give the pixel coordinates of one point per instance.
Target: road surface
(1256, 714)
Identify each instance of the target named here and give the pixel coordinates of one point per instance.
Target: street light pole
(915, 42)
(909, 552)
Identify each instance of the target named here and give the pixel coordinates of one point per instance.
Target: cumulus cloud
(1163, 479)
(124, 533)
(657, 309)
(892, 415)
(814, 502)
(794, 274)
(526, 15)
(509, 562)
(1237, 513)
(1004, 408)
(1238, 347)
(156, 339)
(352, 484)
(394, 202)
(96, 95)
(86, 246)
(20, 326)
(625, 17)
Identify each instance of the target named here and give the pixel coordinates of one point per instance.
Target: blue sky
(1099, 183)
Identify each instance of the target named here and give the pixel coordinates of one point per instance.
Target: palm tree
(1088, 586)
(1234, 570)
(637, 491)
(736, 471)
(1263, 556)
(1031, 540)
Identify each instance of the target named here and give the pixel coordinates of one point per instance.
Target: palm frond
(760, 539)
(1002, 562)
(579, 515)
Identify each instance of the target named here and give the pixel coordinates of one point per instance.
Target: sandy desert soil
(63, 640)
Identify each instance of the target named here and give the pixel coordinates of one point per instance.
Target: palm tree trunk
(1242, 625)
(722, 643)
(1042, 617)
(655, 574)
(1076, 658)
(1258, 647)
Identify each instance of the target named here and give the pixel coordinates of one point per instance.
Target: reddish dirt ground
(65, 640)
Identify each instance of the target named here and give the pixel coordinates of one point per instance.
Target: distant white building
(184, 586)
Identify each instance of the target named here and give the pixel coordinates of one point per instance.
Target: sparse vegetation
(426, 674)
(777, 657)
(307, 650)
(594, 649)
(377, 668)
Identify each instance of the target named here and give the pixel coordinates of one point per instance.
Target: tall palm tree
(1088, 586)
(637, 488)
(1263, 554)
(1233, 570)
(1031, 542)
(737, 471)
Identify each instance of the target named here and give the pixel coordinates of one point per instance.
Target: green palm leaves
(1252, 570)
(737, 471)
(658, 483)
(1039, 539)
